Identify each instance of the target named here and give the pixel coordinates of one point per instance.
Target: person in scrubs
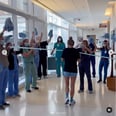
(104, 62)
(59, 46)
(29, 66)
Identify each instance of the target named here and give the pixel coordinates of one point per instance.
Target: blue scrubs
(84, 68)
(13, 79)
(4, 73)
(104, 62)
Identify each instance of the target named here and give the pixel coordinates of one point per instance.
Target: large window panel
(64, 34)
(3, 16)
(5, 2)
(21, 23)
(22, 5)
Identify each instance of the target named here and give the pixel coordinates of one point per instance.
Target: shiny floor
(49, 101)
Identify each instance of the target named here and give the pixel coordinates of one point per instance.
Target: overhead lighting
(108, 11)
(105, 21)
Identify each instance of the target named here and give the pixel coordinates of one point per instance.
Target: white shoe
(72, 102)
(66, 101)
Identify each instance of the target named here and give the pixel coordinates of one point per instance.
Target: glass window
(22, 5)
(64, 23)
(3, 16)
(4, 1)
(21, 23)
(64, 34)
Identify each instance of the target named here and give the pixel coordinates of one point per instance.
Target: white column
(15, 32)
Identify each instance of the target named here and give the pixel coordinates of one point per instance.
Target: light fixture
(108, 11)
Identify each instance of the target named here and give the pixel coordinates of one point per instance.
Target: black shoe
(80, 91)
(45, 77)
(35, 88)
(104, 82)
(93, 76)
(58, 76)
(6, 104)
(18, 95)
(99, 81)
(29, 91)
(2, 107)
(90, 91)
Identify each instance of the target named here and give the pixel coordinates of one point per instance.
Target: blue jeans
(13, 82)
(103, 63)
(4, 73)
(69, 74)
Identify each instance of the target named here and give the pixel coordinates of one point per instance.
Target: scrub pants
(103, 63)
(4, 73)
(84, 68)
(59, 64)
(92, 61)
(30, 70)
(13, 82)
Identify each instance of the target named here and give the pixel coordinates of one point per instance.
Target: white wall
(97, 32)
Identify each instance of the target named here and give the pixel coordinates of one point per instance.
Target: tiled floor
(49, 101)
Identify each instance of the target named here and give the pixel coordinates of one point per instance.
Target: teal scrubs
(60, 47)
(30, 70)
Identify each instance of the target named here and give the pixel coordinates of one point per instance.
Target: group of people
(84, 55)
(35, 59)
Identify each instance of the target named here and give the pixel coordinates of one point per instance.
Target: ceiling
(83, 13)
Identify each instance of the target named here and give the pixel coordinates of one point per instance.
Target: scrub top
(59, 46)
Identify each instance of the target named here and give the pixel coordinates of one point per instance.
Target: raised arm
(49, 40)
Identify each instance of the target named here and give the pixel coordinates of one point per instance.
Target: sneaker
(104, 82)
(90, 92)
(45, 77)
(94, 76)
(39, 78)
(80, 91)
(66, 101)
(29, 91)
(18, 95)
(72, 102)
(2, 107)
(6, 104)
(99, 81)
(35, 88)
